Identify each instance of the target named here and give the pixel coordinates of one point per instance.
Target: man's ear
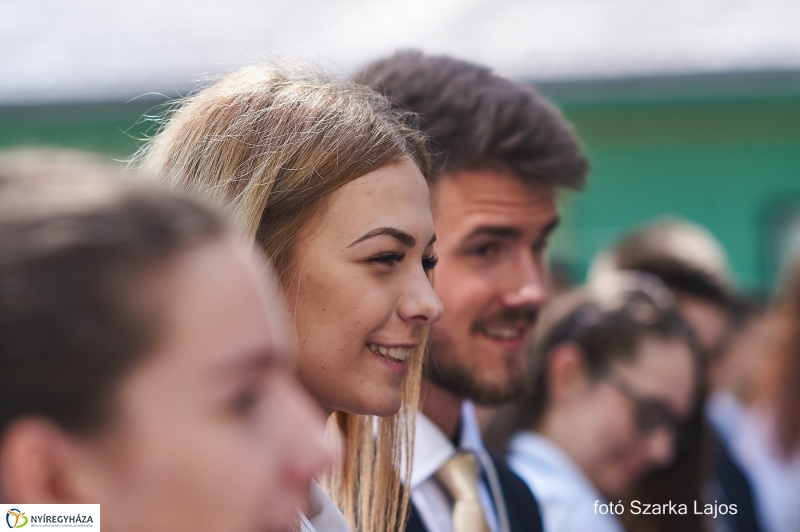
(38, 466)
(566, 372)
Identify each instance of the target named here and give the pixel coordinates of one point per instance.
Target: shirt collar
(546, 453)
(470, 438)
(432, 448)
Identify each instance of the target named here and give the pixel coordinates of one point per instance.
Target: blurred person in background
(500, 151)
(613, 375)
(763, 430)
(331, 184)
(689, 260)
(145, 360)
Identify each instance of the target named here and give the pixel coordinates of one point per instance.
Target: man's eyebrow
(495, 230)
(405, 238)
(548, 229)
(513, 232)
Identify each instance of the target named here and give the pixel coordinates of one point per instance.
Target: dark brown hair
(77, 247)
(477, 119)
(608, 325)
(608, 319)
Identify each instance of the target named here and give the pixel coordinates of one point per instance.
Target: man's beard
(444, 368)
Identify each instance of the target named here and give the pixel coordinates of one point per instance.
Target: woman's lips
(397, 354)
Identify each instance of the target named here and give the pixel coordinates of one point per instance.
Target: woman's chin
(385, 407)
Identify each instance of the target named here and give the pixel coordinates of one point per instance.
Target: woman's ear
(37, 465)
(566, 373)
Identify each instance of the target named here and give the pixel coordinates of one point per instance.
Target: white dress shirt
(323, 514)
(431, 450)
(566, 496)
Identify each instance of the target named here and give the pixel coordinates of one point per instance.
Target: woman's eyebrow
(404, 238)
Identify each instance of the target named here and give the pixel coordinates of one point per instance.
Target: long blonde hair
(270, 143)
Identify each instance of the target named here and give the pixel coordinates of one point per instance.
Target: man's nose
(527, 282)
(307, 453)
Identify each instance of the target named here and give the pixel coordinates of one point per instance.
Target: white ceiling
(59, 50)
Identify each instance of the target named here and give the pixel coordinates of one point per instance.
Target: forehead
(221, 304)
(663, 369)
(395, 195)
(475, 197)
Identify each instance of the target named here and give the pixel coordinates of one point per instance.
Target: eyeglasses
(648, 414)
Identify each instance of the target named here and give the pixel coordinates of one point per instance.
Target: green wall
(722, 153)
(728, 165)
(108, 128)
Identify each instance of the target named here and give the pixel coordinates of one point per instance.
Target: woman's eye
(387, 258)
(429, 263)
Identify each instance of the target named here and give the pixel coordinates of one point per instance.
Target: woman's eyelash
(429, 263)
(387, 258)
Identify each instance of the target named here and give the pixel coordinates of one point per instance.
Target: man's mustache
(513, 315)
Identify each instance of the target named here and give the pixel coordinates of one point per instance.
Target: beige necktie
(459, 476)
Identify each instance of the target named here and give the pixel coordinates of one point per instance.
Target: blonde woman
(331, 184)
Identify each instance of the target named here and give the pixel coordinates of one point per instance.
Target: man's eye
(387, 258)
(540, 246)
(485, 250)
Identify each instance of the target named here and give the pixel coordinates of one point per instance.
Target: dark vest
(733, 488)
(523, 510)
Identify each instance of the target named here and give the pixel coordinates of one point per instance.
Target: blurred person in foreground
(613, 375)
(690, 261)
(500, 152)
(144, 361)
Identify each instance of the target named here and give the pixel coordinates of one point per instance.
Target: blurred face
(710, 324)
(622, 425)
(708, 321)
(212, 431)
(492, 277)
(360, 293)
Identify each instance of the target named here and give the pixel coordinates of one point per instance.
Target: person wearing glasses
(614, 376)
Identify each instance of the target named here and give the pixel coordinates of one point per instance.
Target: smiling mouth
(395, 354)
(504, 332)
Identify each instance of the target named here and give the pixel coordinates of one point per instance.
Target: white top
(775, 480)
(431, 450)
(566, 496)
(323, 514)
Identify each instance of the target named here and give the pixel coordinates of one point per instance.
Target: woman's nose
(308, 453)
(419, 302)
(660, 447)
